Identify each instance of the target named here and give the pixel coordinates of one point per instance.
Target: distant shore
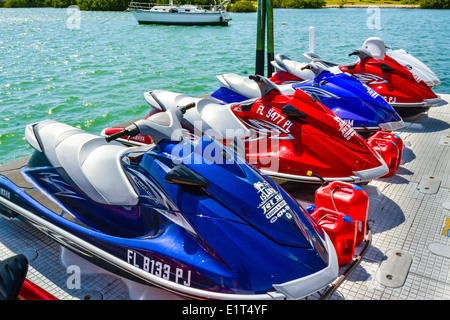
(397, 6)
(252, 3)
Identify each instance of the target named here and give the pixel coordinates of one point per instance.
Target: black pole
(260, 37)
(270, 37)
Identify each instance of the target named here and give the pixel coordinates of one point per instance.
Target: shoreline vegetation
(234, 5)
(250, 6)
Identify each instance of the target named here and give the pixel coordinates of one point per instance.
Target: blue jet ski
(187, 216)
(357, 104)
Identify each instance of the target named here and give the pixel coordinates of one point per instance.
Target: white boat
(151, 13)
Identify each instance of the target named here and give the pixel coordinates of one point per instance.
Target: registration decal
(158, 268)
(272, 202)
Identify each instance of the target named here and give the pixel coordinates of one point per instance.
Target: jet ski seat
(239, 84)
(375, 46)
(284, 63)
(93, 164)
(254, 87)
(208, 117)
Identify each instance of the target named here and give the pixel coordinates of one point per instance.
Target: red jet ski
(406, 92)
(293, 138)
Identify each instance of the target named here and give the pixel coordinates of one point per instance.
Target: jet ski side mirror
(13, 272)
(315, 97)
(385, 67)
(182, 175)
(290, 110)
(238, 148)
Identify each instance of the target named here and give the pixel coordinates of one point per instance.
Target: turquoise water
(94, 76)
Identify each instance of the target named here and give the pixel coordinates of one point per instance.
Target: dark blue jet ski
(187, 216)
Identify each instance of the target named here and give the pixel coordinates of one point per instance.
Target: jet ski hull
(411, 111)
(307, 150)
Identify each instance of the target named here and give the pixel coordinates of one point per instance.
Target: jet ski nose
(372, 173)
(392, 126)
(302, 287)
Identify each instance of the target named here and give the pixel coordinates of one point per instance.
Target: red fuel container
(390, 147)
(390, 136)
(350, 199)
(342, 232)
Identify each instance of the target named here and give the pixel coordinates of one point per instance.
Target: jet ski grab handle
(362, 53)
(316, 68)
(133, 129)
(264, 84)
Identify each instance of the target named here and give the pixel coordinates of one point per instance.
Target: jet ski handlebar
(187, 107)
(147, 124)
(130, 131)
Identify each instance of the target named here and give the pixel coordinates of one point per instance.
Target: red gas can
(350, 199)
(390, 146)
(396, 139)
(342, 232)
(390, 136)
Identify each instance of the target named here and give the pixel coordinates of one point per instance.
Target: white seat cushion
(93, 164)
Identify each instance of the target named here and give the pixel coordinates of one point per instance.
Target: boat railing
(147, 6)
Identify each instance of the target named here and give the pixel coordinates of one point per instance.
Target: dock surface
(409, 217)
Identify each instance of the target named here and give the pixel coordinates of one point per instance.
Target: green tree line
(92, 5)
(250, 6)
(97, 5)
(430, 4)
